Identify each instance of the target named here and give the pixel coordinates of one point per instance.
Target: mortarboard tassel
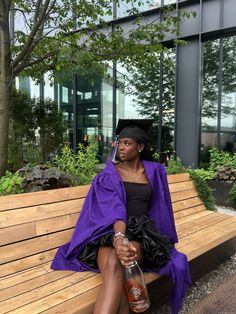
(113, 154)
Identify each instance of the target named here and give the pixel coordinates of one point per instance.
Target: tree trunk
(5, 87)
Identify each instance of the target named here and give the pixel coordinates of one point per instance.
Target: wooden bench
(34, 225)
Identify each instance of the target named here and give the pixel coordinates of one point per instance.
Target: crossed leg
(112, 297)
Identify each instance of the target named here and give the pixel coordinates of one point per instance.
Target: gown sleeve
(103, 206)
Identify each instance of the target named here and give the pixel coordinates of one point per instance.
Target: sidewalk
(222, 300)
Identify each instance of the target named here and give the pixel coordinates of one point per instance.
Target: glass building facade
(190, 90)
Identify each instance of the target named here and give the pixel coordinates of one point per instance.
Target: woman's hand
(126, 254)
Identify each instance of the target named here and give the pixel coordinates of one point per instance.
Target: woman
(129, 198)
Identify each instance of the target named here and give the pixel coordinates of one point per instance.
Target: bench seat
(34, 225)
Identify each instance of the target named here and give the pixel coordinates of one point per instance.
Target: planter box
(221, 192)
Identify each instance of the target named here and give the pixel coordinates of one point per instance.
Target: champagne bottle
(136, 287)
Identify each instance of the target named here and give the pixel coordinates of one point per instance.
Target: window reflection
(222, 135)
(143, 89)
(210, 85)
(228, 106)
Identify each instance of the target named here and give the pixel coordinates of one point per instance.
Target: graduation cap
(131, 128)
(134, 128)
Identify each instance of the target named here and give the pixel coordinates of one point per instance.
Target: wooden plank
(29, 214)
(182, 186)
(190, 202)
(179, 177)
(26, 263)
(17, 233)
(189, 211)
(200, 235)
(56, 224)
(183, 195)
(201, 222)
(80, 304)
(44, 291)
(195, 249)
(84, 303)
(33, 283)
(185, 219)
(25, 248)
(200, 227)
(42, 197)
(49, 301)
(22, 276)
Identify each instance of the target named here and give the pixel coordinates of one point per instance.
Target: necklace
(132, 177)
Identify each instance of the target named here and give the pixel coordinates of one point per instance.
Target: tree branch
(26, 64)
(31, 37)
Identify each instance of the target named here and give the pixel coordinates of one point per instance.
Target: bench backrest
(34, 225)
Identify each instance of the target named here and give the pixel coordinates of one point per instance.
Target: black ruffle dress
(140, 227)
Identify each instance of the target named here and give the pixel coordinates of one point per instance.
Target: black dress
(140, 227)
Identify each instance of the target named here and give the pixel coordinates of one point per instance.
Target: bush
(205, 174)
(44, 177)
(225, 173)
(11, 184)
(221, 158)
(204, 191)
(175, 166)
(83, 163)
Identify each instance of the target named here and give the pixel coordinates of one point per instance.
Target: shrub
(221, 158)
(204, 191)
(11, 183)
(225, 173)
(44, 177)
(175, 166)
(83, 163)
(205, 174)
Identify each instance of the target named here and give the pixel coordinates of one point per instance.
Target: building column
(187, 111)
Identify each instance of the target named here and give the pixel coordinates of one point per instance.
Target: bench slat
(35, 213)
(84, 303)
(43, 291)
(201, 222)
(199, 247)
(56, 224)
(25, 248)
(31, 284)
(190, 202)
(185, 219)
(181, 186)
(213, 229)
(189, 211)
(183, 195)
(42, 197)
(17, 233)
(174, 178)
(60, 296)
(26, 263)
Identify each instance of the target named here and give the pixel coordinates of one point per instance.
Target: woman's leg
(111, 298)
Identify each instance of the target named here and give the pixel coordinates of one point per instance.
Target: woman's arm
(126, 254)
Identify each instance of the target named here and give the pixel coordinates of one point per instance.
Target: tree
(47, 41)
(143, 82)
(22, 126)
(211, 68)
(50, 124)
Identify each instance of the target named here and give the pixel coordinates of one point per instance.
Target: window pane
(210, 85)
(228, 106)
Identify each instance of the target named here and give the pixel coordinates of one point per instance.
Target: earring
(140, 151)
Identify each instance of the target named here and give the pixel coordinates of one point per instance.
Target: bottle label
(137, 296)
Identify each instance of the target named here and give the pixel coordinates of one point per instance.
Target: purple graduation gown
(105, 204)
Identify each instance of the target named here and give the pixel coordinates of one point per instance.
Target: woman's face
(129, 149)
